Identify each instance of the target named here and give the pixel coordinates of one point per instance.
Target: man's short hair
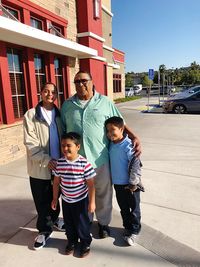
(84, 71)
(75, 137)
(117, 121)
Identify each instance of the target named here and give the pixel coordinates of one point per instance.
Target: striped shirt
(73, 175)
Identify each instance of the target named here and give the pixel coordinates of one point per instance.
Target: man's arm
(135, 140)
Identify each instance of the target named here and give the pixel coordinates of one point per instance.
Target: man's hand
(135, 140)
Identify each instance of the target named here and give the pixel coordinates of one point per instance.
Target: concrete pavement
(170, 206)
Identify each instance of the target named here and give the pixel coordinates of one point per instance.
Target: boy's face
(114, 133)
(69, 149)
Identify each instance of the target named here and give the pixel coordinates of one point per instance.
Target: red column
(86, 22)
(51, 68)
(66, 77)
(30, 77)
(26, 17)
(6, 95)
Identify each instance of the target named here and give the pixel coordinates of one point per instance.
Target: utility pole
(159, 87)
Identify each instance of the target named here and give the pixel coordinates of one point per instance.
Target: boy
(126, 173)
(74, 174)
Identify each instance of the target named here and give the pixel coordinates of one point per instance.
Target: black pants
(77, 221)
(129, 204)
(42, 192)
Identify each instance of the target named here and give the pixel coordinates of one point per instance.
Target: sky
(155, 32)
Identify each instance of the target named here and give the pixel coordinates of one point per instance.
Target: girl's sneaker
(40, 240)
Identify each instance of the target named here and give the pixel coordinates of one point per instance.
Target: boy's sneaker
(40, 240)
(131, 239)
(60, 225)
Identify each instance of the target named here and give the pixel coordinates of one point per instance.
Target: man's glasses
(83, 81)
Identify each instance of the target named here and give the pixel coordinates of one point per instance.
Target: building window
(117, 83)
(17, 82)
(59, 80)
(55, 30)
(39, 73)
(10, 13)
(36, 23)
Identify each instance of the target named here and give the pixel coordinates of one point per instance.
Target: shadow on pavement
(15, 213)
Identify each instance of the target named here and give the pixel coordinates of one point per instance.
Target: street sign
(151, 74)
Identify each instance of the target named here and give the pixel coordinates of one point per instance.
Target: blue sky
(155, 32)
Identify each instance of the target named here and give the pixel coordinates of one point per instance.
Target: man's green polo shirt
(89, 122)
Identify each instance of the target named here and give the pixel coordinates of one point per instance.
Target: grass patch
(125, 99)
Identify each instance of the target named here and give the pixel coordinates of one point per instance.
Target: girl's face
(114, 133)
(69, 149)
(48, 94)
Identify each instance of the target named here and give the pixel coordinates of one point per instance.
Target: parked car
(183, 102)
(137, 89)
(129, 91)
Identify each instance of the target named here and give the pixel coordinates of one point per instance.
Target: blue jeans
(129, 204)
(77, 222)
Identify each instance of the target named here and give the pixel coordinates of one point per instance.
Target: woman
(42, 131)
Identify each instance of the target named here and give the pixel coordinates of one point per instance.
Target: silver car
(184, 102)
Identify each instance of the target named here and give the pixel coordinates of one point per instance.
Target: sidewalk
(18, 232)
(170, 233)
(17, 225)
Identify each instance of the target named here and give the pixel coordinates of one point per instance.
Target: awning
(18, 33)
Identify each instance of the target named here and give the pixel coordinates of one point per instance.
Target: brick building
(50, 41)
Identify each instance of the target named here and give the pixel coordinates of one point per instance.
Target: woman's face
(49, 94)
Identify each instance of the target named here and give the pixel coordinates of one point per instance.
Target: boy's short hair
(75, 137)
(117, 121)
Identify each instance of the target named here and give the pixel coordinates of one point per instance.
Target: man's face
(84, 86)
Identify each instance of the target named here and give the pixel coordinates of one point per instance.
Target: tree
(129, 79)
(146, 81)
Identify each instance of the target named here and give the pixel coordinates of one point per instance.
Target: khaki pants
(104, 194)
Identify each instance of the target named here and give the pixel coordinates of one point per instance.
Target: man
(85, 113)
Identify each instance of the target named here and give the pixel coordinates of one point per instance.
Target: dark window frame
(11, 8)
(117, 83)
(37, 19)
(20, 97)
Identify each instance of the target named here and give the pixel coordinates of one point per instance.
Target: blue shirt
(120, 156)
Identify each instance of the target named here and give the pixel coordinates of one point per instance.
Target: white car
(137, 89)
(129, 91)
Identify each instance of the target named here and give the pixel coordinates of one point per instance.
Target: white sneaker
(60, 225)
(131, 239)
(40, 240)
